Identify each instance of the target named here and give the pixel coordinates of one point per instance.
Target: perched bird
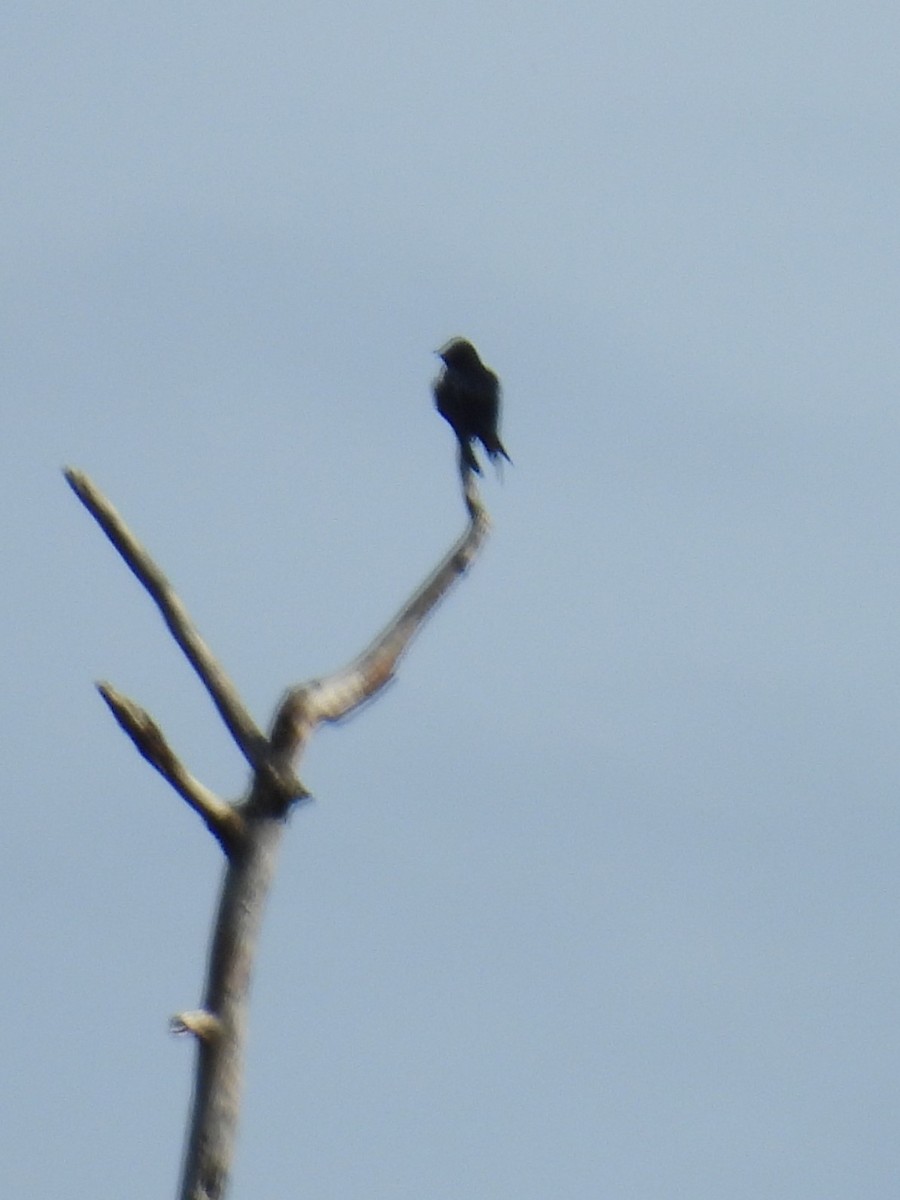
(467, 395)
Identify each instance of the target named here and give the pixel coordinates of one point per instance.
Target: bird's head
(459, 353)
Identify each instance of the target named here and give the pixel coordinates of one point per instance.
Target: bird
(467, 395)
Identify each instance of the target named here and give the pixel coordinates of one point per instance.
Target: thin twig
(224, 694)
(222, 820)
(337, 695)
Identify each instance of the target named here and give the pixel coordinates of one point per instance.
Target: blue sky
(601, 898)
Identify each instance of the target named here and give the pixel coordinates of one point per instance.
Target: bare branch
(202, 1024)
(223, 821)
(251, 831)
(337, 695)
(224, 694)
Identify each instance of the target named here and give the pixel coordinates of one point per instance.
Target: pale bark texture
(249, 831)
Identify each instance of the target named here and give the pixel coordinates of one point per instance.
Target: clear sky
(601, 898)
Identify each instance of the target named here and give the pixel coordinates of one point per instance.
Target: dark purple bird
(467, 395)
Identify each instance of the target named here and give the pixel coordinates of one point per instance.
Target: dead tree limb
(249, 830)
(238, 721)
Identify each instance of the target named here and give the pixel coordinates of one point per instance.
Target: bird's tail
(498, 450)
